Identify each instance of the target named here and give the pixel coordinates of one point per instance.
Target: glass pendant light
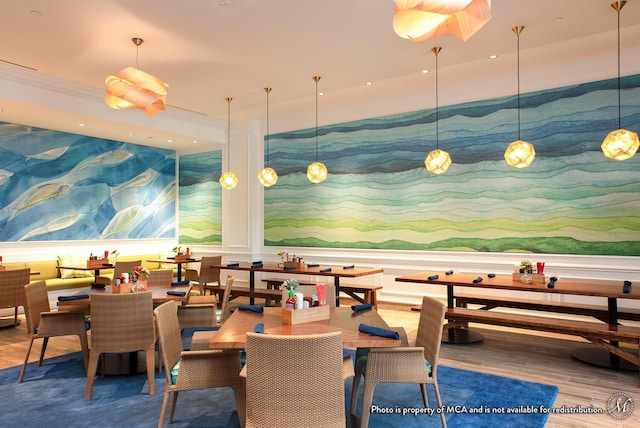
(267, 176)
(317, 172)
(437, 161)
(520, 153)
(228, 180)
(620, 144)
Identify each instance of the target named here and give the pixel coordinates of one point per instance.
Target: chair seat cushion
(361, 361)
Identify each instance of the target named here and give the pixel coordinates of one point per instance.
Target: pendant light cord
(437, 105)
(316, 78)
(518, 34)
(267, 90)
(228, 100)
(619, 101)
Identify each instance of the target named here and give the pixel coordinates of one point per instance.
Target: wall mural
(61, 186)
(200, 198)
(571, 200)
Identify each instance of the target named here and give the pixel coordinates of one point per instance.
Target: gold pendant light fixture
(228, 180)
(133, 88)
(437, 161)
(520, 153)
(317, 172)
(620, 144)
(267, 176)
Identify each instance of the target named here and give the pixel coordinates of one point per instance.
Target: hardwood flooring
(533, 356)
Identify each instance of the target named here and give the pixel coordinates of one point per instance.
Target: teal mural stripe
(200, 198)
(571, 200)
(61, 186)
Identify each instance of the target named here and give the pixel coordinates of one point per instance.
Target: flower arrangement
(140, 272)
(177, 249)
(290, 284)
(281, 253)
(526, 266)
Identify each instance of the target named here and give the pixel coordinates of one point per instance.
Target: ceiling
(207, 50)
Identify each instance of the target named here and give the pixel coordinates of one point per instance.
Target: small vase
(138, 286)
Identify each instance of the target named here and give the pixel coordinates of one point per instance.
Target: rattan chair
(309, 291)
(42, 323)
(118, 268)
(200, 339)
(160, 278)
(207, 275)
(12, 284)
(197, 369)
(295, 381)
(121, 323)
(417, 364)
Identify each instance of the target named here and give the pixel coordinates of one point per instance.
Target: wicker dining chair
(417, 364)
(200, 339)
(160, 278)
(189, 370)
(208, 275)
(12, 284)
(295, 381)
(43, 323)
(118, 268)
(121, 323)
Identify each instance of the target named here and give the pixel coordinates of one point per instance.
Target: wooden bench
(595, 332)
(261, 293)
(492, 302)
(363, 293)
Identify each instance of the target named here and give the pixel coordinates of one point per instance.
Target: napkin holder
(536, 278)
(181, 258)
(96, 264)
(297, 265)
(301, 316)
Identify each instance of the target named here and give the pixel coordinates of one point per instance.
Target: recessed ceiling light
(321, 93)
(169, 140)
(369, 83)
(425, 71)
(35, 12)
(224, 3)
(195, 141)
(131, 134)
(81, 125)
(1, 109)
(493, 56)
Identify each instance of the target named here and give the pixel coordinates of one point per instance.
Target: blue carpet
(53, 394)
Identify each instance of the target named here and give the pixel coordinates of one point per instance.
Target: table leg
(336, 282)
(459, 335)
(179, 271)
(252, 285)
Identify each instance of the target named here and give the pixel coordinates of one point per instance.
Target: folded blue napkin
(183, 282)
(289, 268)
(252, 308)
(259, 328)
(96, 285)
(449, 272)
(433, 277)
(259, 262)
(312, 265)
(626, 288)
(362, 307)
(477, 280)
(257, 266)
(233, 264)
(491, 275)
(76, 297)
(325, 270)
(377, 331)
(107, 264)
(348, 267)
(176, 293)
(552, 282)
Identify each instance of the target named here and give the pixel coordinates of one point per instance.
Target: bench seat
(237, 291)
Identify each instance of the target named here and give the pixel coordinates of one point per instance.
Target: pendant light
(228, 180)
(317, 172)
(437, 161)
(519, 154)
(620, 144)
(268, 176)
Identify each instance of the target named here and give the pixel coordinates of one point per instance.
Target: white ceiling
(207, 50)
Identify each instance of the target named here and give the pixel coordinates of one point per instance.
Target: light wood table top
(159, 295)
(233, 333)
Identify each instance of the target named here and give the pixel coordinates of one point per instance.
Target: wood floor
(505, 352)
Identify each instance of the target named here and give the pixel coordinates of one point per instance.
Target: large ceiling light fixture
(133, 88)
(267, 176)
(228, 180)
(437, 161)
(519, 154)
(620, 144)
(317, 172)
(422, 20)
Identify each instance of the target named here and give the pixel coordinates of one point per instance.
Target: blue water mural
(61, 186)
(200, 198)
(571, 200)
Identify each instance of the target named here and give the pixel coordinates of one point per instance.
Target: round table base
(461, 336)
(602, 358)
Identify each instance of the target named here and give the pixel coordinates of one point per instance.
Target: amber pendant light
(267, 176)
(437, 161)
(228, 180)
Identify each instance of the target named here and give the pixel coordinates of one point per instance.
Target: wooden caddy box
(535, 277)
(301, 316)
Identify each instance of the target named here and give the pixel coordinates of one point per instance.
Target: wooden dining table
(159, 295)
(233, 333)
(178, 264)
(337, 272)
(96, 269)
